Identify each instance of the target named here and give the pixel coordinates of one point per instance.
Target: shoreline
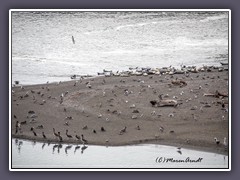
(134, 143)
(117, 101)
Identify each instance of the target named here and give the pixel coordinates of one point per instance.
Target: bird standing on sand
(44, 136)
(54, 133)
(217, 141)
(34, 133)
(60, 137)
(123, 130)
(102, 129)
(77, 137)
(84, 141)
(161, 128)
(68, 135)
(18, 127)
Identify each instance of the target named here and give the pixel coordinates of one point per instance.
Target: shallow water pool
(29, 154)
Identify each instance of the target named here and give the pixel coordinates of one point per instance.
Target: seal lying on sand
(164, 102)
(179, 83)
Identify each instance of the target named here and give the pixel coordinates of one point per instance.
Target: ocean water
(43, 50)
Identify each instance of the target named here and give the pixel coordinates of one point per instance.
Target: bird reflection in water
(76, 148)
(33, 143)
(19, 146)
(67, 148)
(43, 145)
(59, 147)
(54, 147)
(83, 148)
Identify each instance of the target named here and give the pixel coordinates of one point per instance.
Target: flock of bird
(163, 100)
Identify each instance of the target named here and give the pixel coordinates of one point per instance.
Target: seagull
(85, 127)
(161, 128)
(217, 141)
(123, 130)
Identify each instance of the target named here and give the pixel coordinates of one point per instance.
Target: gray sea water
(43, 50)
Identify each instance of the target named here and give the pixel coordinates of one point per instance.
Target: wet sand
(116, 102)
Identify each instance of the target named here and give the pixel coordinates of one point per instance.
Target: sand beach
(165, 107)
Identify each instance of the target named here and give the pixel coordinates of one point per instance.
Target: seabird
(84, 141)
(44, 136)
(18, 125)
(94, 131)
(60, 137)
(66, 123)
(32, 120)
(35, 134)
(15, 116)
(217, 141)
(161, 128)
(54, 133)
(73, 40)
(123, 130)
(78, 137)
(68, 135)
(102, 129)
(171, 115)
(85, 127)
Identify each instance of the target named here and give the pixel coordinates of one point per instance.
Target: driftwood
(217, 94)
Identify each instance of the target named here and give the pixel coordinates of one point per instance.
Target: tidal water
(29, 154)
(43, 49)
